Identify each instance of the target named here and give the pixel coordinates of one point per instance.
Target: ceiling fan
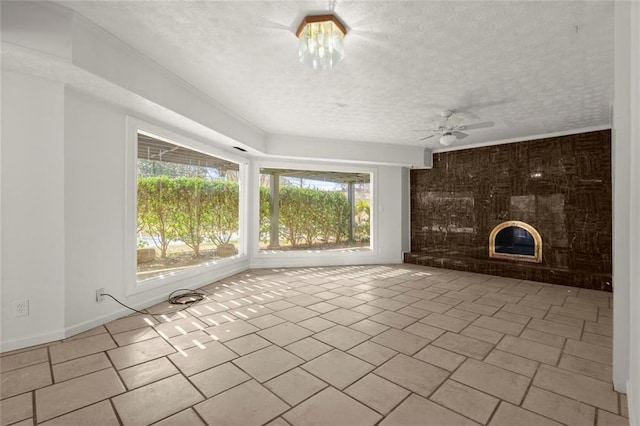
(451, 130)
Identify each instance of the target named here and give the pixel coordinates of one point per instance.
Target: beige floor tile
(25, 379)
(508, 316)
(366, 310)
(544, 338)
(143, 374)
(101, 413)
(377, 393)
(230, 408)
(279, 305)
(322, 307)
(183, 418)
(344, 316)
(413, 312)
(372, 353)
(597, 339)
(558, 329)
(415, 375)
(587, 367)
(462, 314)
(308, 348)
(92, 332)
(576, 386)
(137, 353)
(423, 330)
(588, 351)
(482, 334)
(400, 341)
(388, 304)
(548, 299)
(133, 336)
(464, 400)
(561, 319)
(524, 310)
(416, 410)
(266, 321)
(80, 366)
(295, 386)
(510, 415)
(529, 349)
(218, 379)
(337, 368)
(180, 326)
(583, 312)
(607, 419)
(493, 380)
(70, 395)
(296, 314)
(15, 409)
(247, 344)
(79, 348)
(268, 363)
(431, 306)
(624, 405)
(512, 362)
(186, 341)
(440, 357)
(218, 318)
(463, 345)
(23, 359)
(316, 324)
(156, 401)
(130, 323)
(445, 322)
(369, 327)
(341, 337)
(596, 328)
(478, 308)
(393, 319)
(499, 325)
(330, 407)
(195, 360)
(231, 330)
(558, 407)
(346, 302)
(285, 333)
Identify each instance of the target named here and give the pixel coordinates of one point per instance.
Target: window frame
(262, 256)
(191, 275)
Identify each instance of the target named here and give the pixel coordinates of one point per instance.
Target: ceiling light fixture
(321, 41)
(447, 139)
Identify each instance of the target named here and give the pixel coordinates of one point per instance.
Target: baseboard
(34, 340)
(306, 262)
(633, 408)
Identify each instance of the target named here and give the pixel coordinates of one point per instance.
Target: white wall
(33, 228)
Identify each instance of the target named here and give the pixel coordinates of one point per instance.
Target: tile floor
(358, 345)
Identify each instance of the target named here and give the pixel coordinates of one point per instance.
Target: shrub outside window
(187, 208)
(314, 210)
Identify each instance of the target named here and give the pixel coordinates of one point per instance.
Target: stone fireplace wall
(561, 186)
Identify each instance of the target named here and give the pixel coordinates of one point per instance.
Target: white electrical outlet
(99, 296)
(21, 308)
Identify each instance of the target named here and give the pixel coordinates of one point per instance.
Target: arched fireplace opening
(515, 240)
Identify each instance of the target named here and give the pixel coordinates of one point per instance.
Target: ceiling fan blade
(460, 135)
(426, 137)
(482, 125)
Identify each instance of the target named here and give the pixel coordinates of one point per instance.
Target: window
(314, 210)
(188, 207)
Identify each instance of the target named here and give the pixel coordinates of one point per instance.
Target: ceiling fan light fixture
(321, 41)
(447, 139)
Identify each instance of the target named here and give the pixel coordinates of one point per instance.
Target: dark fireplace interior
(515, 240)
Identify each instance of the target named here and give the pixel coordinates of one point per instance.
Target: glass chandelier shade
(321, 41)
(447, 139)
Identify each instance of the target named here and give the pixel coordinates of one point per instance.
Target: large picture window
(314, 210)
(188, 208)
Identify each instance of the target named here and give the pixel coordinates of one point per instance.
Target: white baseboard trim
(632, 406)
(34, 340)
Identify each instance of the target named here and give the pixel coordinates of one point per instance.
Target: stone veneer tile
(493, 380)
(576, 386)
(560, 408)
(70, 395)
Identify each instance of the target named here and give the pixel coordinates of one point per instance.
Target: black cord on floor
(189, 298)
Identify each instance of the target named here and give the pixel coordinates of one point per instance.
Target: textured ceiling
(531, 67)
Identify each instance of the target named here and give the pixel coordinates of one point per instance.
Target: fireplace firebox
(515, 240)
